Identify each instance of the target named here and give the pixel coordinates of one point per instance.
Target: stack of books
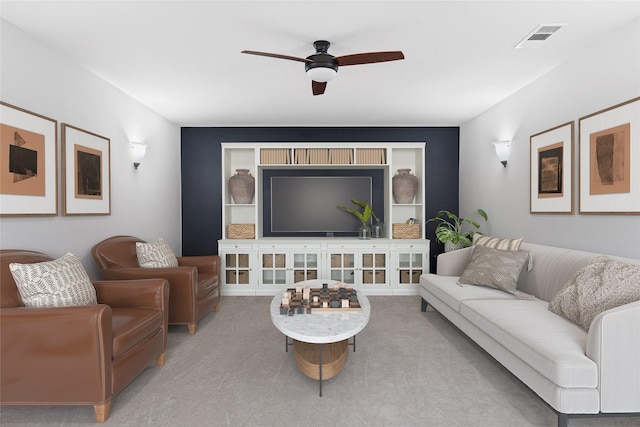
(275, 156)
(318, 156)
(340, 156)
(370, 156)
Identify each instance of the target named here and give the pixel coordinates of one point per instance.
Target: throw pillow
(498, 269)
(602, 284)
(157, 254)
(503, 244)
(59, 283)
(496, 243)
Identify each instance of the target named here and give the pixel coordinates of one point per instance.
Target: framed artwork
(610, 160)
(86, 172)
(28, 163)
(552, 171)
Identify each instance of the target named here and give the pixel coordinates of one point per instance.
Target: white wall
(144, 203)
(605, 74)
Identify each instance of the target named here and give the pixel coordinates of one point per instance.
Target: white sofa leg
(424, 305)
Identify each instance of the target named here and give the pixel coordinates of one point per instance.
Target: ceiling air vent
(538, 36)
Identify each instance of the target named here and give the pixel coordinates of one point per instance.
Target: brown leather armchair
(81, 355)
(194, 284)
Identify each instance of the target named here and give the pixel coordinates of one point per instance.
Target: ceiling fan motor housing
(321, 59)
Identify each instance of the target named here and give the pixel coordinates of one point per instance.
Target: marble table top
(321, 327)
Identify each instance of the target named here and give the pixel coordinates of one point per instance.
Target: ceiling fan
(322, 66)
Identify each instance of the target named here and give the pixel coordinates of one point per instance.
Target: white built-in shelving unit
(265, 266)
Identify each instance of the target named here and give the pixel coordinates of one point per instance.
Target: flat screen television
(304, 203)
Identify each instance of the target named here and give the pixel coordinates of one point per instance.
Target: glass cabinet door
(305, 266)
(410, 267)
(342, 267)
(237, 269)
(374, 268)
(274, 268)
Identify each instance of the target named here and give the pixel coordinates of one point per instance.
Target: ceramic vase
(405, 186)
(242, 187)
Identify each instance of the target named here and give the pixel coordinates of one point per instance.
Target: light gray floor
(409, 368)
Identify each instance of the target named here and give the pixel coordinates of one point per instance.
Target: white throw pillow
(155, 255)
(59, 283)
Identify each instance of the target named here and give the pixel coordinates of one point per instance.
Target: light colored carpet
(409, 368)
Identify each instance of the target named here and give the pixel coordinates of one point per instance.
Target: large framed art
(610, 160)
(86, 172)
(552, 171)
(28, 163)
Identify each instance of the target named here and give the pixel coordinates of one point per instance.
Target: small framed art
(610, 160)
(28, 163)
(86, 172)
(552, 171)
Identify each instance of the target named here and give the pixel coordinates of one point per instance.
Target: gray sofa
(574, 371)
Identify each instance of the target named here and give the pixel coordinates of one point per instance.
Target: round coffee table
(320, 339)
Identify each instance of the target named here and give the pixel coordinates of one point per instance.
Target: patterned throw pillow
(155, 255)
(495, 268)
(59, 283)
(502, 244)
(496, 243)
(602, 284)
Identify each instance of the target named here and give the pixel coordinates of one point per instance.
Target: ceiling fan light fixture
(321, 74)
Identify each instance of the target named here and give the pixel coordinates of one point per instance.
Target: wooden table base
(307, 357)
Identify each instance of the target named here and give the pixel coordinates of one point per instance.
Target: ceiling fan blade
(318, 87)
(369, 58)
(276, 55)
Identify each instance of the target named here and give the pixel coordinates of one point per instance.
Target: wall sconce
(503, 148)
(138, 149)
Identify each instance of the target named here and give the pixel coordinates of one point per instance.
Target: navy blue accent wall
(202, 176)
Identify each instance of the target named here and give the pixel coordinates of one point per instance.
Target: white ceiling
(182, 58)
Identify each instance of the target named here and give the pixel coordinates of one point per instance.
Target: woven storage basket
(241, 231)
(406, 231)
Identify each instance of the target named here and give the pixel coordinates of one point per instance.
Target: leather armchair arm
(142, 293)
(208, 264)
(183, 282)
(182, 274)
(40, 344)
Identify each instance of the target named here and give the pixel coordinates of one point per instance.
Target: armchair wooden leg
(192, 328)
(161, 358)
(102, 411)
(216, 308)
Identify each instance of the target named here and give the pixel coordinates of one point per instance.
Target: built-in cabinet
(376, 266)
(254, 265)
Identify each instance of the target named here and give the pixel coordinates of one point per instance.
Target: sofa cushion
(499, 269)
(550, 344)
(157, 254)
(449, 291)
(602, 284)
(59, 283)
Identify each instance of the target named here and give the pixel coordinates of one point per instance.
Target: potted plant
(365, 216)
(449, 230)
